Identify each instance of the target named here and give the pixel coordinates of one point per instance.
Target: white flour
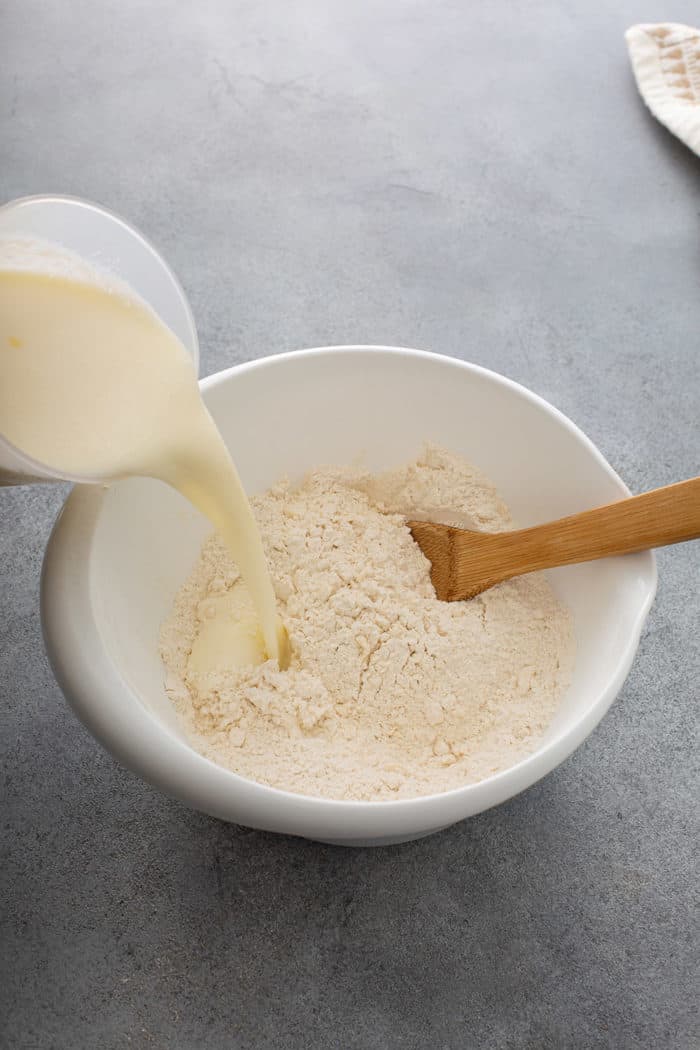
(391, 693)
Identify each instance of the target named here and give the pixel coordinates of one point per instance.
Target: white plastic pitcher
(111, 244)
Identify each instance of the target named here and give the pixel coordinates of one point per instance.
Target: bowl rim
(182, 772)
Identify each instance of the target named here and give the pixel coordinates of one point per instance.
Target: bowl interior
(286, 415)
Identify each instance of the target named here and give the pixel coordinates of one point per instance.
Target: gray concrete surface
(481, 179)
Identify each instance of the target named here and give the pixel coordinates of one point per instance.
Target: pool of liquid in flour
(93, 384)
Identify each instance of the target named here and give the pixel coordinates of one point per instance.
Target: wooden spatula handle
(654, 519)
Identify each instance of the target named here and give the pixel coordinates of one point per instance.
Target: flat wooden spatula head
(438, 543)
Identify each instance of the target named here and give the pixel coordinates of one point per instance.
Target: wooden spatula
(466, 562)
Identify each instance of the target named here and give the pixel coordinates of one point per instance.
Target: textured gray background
(480, 179)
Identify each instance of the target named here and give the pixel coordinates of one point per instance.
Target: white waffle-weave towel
(666, 63)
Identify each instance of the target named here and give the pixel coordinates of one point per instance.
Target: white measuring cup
(111, 244)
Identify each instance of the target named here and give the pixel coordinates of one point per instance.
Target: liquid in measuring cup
(94, 385)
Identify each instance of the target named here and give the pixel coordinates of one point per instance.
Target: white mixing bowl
(117, 557)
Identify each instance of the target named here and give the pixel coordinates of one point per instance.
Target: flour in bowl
(390, 693)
